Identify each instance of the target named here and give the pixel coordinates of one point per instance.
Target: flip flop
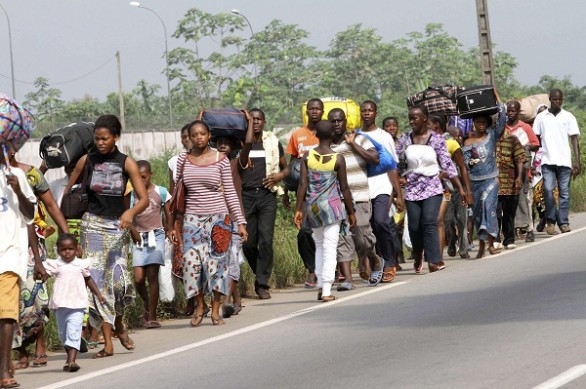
(9, 383)
(125, 341)
(152, 324)
(344, 286)
(102, 354)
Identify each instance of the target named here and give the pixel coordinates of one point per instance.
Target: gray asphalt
(513, 320)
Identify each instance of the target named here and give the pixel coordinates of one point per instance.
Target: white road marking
(218, 338)
(569, 375)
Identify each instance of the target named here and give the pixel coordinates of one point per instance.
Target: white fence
(140, 145)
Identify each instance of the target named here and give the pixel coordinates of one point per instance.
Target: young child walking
(322, 185)
(69, 298)
(148, 234)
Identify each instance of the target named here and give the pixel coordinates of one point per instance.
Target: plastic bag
(166, 289)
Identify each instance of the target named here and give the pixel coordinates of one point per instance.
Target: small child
(233, 303)
(148, 234)
(69, 298)
(322, 185)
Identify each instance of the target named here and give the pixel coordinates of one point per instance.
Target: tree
(45, 102)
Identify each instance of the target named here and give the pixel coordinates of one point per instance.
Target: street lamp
(237, 12)
(138, 5)
(10, 48)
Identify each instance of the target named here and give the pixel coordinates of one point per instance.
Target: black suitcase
(476, 100)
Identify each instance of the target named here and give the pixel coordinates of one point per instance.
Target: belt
(257, 189)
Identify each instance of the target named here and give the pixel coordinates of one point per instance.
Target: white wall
(140, 145)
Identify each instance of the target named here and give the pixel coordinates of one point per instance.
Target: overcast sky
(64, 40)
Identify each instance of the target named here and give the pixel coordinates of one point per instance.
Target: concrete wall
(139, 145)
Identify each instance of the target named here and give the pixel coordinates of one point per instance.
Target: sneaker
(530, 237)
(497, 245)
(510, 246)
(541, 225)
(565, 228)
(550, 229)
(433, 267)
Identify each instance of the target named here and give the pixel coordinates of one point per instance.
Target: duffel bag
(437, 99)
(67, 144)
(225, 122)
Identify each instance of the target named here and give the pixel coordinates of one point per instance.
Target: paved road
(514, 320)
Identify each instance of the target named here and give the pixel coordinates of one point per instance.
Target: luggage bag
(477, 100)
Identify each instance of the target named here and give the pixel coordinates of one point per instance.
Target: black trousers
(260, 209)
(507, 208)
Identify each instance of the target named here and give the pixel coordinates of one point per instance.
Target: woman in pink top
(211, 203)
(69, 298)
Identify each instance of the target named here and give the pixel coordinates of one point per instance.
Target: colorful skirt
(206, 253)
(106, 246)
(34, 302)
(485, 194)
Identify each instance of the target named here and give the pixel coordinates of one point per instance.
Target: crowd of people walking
(375, 195)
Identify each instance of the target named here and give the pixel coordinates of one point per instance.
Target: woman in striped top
(211, 203)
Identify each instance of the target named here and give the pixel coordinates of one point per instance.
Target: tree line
(277, 70)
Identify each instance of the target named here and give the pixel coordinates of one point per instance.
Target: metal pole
(485, 43)
(237, 12)
(120, 93)
(10, 48)
(169, 99)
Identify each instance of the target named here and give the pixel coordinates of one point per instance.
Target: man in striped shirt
(357, 151)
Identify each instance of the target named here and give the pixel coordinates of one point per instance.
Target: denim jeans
(260, 209)
(422, 216)
(556, 176)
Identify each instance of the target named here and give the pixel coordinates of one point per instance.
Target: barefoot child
(69, 298)
(148, 253)
(322, 184)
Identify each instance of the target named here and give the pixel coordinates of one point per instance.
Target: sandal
(218, 321)
(73, 367)
(228, 310)
(125, 341)
(23, 363)
(376, 275)
(364, 275)
(344, 286)
(92, 345)
(102, 354)
(39, 360)
(196, 320)
(9, 383)
(388, 275)
(237, 309)
(327, 299)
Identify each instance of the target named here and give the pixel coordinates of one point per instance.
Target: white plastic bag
(166, 289)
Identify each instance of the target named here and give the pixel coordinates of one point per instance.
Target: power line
(67, 81)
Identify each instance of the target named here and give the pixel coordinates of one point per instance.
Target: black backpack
(67, 144)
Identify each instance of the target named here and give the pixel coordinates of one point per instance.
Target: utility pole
(120, 93)
(485, 43)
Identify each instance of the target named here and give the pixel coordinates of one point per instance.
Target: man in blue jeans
(262, 166)
(554, 127)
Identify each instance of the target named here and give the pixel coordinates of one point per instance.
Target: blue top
(480, 157)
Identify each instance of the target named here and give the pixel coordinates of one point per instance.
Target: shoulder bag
(177, 204)
(75, 202)
(386, 160)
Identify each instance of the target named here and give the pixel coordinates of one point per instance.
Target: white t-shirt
(381, 184)
(13, 230)
(57, 187)
(555, 132)
(173, 166)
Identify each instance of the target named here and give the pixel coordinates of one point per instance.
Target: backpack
(67, 144)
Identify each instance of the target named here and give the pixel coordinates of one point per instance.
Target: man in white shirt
(559, 163)
(17, 209)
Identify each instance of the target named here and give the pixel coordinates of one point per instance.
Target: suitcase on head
(476, 100)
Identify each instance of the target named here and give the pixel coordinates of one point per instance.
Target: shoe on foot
(550, 229)
(510, 246)
(433, 267)
(530, 237)
(452, 250)
(263, 294)
(565, 228)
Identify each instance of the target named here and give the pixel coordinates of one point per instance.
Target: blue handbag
(386, 160)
